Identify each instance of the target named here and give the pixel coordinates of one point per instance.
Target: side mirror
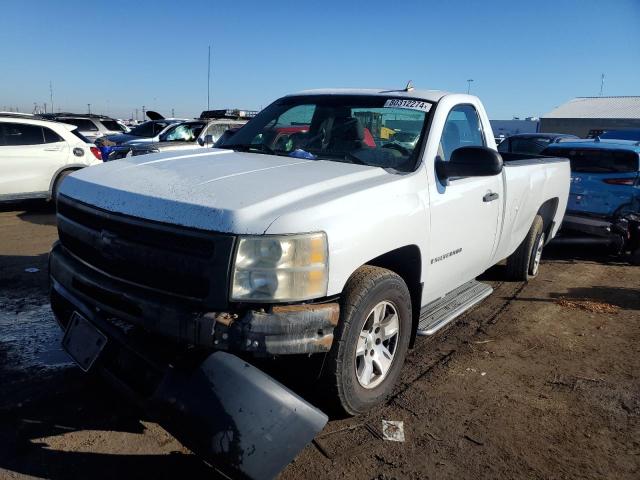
(201, 141)
(470, 162)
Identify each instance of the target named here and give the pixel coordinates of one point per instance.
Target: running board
(441, 312)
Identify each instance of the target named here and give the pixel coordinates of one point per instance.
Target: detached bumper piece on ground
(229, 413)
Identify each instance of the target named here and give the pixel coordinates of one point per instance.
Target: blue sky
(525, 57)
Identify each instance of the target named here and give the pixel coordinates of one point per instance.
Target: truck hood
(218, 190)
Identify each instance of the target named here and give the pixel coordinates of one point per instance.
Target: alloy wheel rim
(377, 343)
(538, 256)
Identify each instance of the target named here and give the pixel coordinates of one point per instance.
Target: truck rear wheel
(523, 264)
(370, 341)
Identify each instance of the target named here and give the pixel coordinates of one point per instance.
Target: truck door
(465, 213)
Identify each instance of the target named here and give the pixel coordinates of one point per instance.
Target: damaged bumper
(231, 414)
(622, 232)
(289, 329)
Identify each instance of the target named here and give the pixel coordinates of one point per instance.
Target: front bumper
(274, 330)
(226, 411)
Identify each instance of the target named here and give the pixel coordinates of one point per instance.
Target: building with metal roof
(590, 116)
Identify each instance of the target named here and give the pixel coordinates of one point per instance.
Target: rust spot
(224, 318)
(332, 310)
(326, 341)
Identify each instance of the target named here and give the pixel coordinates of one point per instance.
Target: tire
(634, 258)
(522, 265)
(56, 184)
(356, 380)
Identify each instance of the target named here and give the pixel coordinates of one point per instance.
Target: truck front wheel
(371, 339)
(523, 264)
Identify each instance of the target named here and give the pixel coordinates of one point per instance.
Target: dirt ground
(542, 380)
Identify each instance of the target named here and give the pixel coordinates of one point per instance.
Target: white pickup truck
(338, 222)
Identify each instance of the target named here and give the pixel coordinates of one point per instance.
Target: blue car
(604, 200)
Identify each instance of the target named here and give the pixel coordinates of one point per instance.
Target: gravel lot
(542, 380)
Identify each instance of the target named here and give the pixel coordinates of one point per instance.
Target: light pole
(89, 108)
(208, 75)
(469, 85)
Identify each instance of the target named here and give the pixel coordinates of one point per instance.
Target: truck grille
(180, 261)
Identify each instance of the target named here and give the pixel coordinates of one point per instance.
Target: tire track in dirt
(458, 328)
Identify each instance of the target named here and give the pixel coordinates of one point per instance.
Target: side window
(22, 134)
(298, 115)
(157, 128)
(83, 124)
(217, 129)
(461, 129)
(50, 136)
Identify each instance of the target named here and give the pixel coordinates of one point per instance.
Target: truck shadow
(39, 212)
(83, 404)
(625, 298)
(580, 253)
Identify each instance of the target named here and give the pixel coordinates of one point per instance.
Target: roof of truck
(428, 95)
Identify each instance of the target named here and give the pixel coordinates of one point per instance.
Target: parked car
(181, 136)
(36, 155)
(628, 134)
(531, 143)
(90, 126)
(148, 131)
(604, 201)
(326, 245)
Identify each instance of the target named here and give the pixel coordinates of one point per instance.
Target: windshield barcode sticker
(412, 104)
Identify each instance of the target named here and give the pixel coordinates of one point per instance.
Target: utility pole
(208, 76)
(601, 84)
(143, 112)
(45, 107)
(136, 114)
(89, 108)
(51, 95)
(173, 115)
(469, 85)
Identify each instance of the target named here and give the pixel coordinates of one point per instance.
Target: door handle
(52, 149)
(490, 197)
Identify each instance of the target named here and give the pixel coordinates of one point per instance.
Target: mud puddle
(29, 336)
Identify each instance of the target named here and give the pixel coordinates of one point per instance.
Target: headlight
(280, 268)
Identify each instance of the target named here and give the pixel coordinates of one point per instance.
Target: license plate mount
(83, 341)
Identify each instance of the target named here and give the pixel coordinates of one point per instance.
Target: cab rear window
(589, 160)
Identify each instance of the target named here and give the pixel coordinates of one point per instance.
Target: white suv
(35, 155)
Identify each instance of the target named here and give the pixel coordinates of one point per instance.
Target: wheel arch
(548, 212)
(407, 262)
(65, 168)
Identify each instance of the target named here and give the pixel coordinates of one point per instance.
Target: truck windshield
(365, 129)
